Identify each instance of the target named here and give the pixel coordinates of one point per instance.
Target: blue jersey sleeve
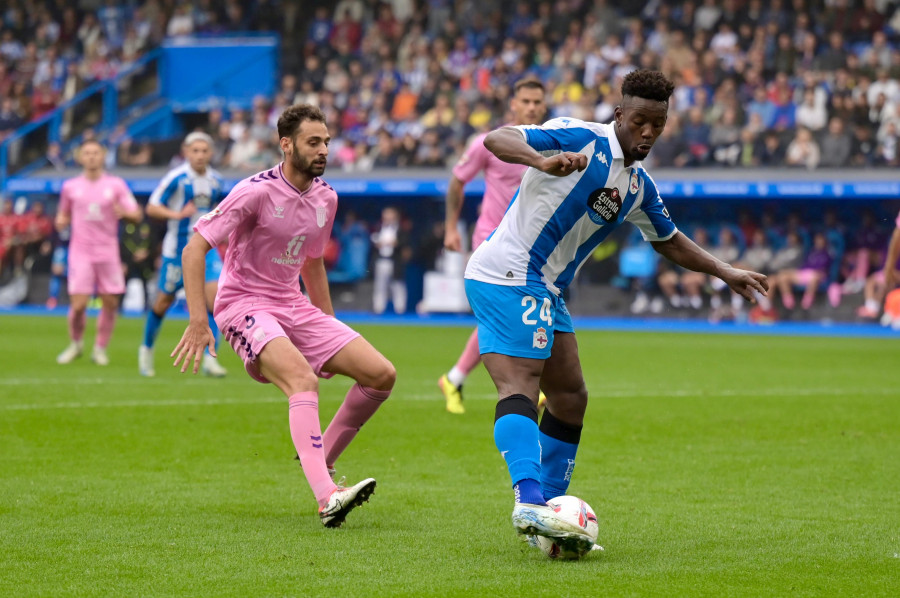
(651, 217)
(563, 134)
(166, 189)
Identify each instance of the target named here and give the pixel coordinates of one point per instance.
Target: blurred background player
(501, 179)
(278, 223)
(891, 276)
(92, 205)
(589, 182)
(186, 194)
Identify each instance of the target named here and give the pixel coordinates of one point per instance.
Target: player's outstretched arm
(684, 252)
(315, 280)
(509, 145)
(197, 336)
(890, 264)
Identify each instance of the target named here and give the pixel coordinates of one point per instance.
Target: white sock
(456, 376)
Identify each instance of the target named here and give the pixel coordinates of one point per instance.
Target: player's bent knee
(385, 377)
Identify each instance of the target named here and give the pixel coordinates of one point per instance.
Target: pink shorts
(806, 275)
(250, 325)
(86, 277)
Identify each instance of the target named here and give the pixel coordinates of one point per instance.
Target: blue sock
(529, 491)
(151, 329)
(559, 443)
(53, 290)
(517, 438)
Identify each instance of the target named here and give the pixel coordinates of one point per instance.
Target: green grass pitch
(718, 466)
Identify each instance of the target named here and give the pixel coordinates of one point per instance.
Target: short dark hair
(290, 119)
(647, 84)
(528, 83)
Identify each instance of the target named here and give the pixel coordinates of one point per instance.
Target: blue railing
(99, 107)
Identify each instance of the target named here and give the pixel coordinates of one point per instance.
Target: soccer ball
(576, 511)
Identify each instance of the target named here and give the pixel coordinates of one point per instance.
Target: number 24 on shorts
(530, 304)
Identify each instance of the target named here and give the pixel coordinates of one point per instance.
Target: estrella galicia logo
(605, 204)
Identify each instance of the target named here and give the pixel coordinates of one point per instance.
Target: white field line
(597, 396)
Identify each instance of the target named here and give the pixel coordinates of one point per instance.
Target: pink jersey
(95, 226)
(271, 228)
(500, 178)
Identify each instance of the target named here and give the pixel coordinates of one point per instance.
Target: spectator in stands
(9, 227)
(803, 151)
(866, 253)
(814, 271)
(836, 144)
(787, 258)
(10, 119)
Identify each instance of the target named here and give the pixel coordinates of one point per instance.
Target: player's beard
(308, 167)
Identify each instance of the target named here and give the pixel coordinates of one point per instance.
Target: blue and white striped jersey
(180, 186)
(553, 224)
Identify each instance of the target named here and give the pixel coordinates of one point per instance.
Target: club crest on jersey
(633, 184)
(605, 204)
(321, 216)
(108, 193)
(540, 338)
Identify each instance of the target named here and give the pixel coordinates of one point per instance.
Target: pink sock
(358, 406)
(306, 433)
(470, 357)
(807, 300)
(76, 324)
(105, 324)
(788, 300)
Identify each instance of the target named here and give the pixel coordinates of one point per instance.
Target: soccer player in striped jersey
(185, 194)
(501, 179)
(584, 180)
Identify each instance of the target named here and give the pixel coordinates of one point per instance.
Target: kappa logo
(602, 158)
(540, 338)
(279, 212)
(291, 254)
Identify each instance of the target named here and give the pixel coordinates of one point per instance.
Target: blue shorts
(517, 321)
(171, 279)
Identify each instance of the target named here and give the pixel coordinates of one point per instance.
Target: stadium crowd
(404, 83)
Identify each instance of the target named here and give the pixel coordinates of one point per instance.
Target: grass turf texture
(718, 465)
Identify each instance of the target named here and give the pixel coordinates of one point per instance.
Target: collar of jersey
(614, 146)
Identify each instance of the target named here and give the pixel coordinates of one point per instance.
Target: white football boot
(542, 520)
(70, 353)
(145, 361)
(212, 367)
(344, 500)
(99, 356)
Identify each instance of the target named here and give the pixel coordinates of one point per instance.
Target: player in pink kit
(92, 205)
(277, 223)
(501, 181)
